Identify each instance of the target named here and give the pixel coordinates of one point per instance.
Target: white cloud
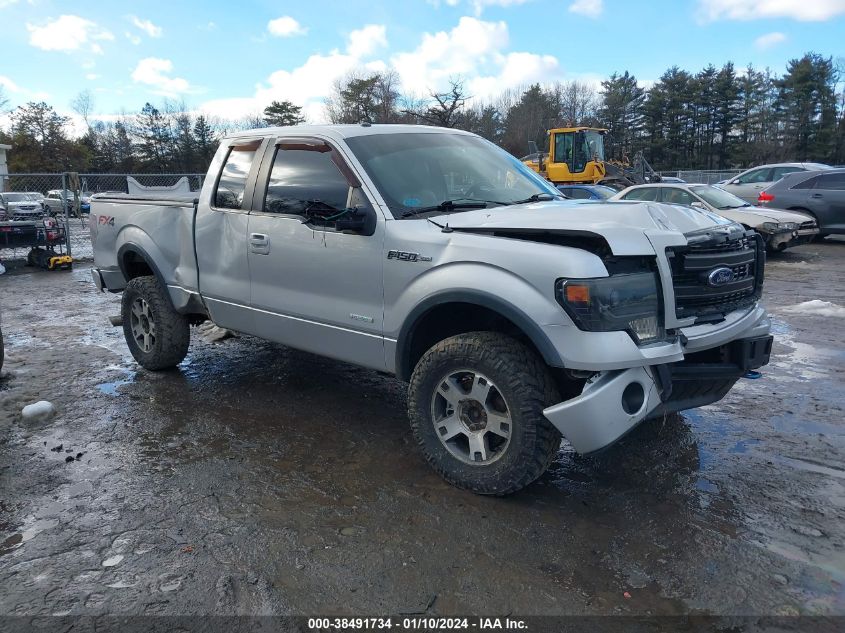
(154, 72)
(478, 6)
(475, 50)
(92, 76)
(472, 45)
(769, 40)
(146, 26)
(68, 33)
(135, 39)
(801, 10)
(7, 3)
(285, 26)
(365, 41)
(9, 85)
(587, 8)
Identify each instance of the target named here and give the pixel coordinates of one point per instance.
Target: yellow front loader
(576, 155)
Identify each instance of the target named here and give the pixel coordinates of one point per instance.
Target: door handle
(258, 239)
(817, 195)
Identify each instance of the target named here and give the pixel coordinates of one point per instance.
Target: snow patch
(113, 560)
(212, 333)
(40, 410)
(816, 307)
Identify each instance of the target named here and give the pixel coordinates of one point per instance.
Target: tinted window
(306, 181)
(230, 187)
(578, 193)
(780, 172)
(806, 184)
(831, 182)
(646, 193)
(758, 175)
(677, 196)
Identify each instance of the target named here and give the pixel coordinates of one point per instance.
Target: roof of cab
(344, 131)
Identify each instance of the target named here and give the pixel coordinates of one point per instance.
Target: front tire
(157, 335)
(476, 405)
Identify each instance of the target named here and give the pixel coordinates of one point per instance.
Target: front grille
(810, 224)
(691, 266)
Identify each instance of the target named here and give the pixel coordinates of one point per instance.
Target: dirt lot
(260, 480)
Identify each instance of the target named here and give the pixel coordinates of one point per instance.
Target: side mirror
(698, 205)
(360, 220)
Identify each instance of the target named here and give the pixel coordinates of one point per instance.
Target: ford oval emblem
(720, 276)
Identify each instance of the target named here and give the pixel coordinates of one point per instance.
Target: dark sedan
(817, 193)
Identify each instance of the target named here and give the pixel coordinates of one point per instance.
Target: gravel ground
(261, 480)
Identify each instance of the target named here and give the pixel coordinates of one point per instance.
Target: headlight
(774, 227)
(629, 302)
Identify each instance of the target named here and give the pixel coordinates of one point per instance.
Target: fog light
(645, 329)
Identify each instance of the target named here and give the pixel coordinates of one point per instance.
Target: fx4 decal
(105, 220)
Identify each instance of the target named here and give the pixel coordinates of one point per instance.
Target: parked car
(587, 192)
(751, 182)
(820, 194)
(19, 206)
(780, 229)
(432, 254)
(55, 202)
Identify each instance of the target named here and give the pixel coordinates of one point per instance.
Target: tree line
(716, 118)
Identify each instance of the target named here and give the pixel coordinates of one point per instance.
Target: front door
(313, 287)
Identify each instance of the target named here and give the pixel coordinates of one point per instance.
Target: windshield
(418, 170)
(719, 198)
(16, 197)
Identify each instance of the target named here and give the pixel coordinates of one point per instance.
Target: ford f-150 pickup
(515, 316)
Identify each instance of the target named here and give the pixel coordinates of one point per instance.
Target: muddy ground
(261, 480)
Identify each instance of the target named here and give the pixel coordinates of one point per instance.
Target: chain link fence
(35, 209)
(702, 176)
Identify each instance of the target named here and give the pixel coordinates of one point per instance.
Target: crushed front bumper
(614, 402)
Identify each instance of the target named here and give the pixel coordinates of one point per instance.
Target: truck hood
(621, 223)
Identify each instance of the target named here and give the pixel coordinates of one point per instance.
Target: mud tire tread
(528, 388)
(174, 334)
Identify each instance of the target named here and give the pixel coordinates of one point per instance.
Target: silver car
(780, 229)
(19, 206)
(751, 182)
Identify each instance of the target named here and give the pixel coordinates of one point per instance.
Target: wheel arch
(457, 312)
(134, 261)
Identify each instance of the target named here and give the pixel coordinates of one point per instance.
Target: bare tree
(447, 106)
(83, 105)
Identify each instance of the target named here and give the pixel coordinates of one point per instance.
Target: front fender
(479, 284)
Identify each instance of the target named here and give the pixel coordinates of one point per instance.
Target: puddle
(110, 388)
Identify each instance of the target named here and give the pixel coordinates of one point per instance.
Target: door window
(232, 183)
(831, 182)
(563, 148)
(780, 172)
(646, 193)
(806, 184)
(758, 175)
(677, 196)
(305, 181)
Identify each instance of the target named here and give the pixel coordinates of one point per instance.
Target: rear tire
(476, 403)
(157, 335)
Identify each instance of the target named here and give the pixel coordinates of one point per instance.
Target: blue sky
(231, 58)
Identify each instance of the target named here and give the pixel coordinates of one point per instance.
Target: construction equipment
(576, 155)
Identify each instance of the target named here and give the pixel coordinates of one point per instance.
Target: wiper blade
(539, 197)
(449, 205)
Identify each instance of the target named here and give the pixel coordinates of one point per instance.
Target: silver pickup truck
(516, 317)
